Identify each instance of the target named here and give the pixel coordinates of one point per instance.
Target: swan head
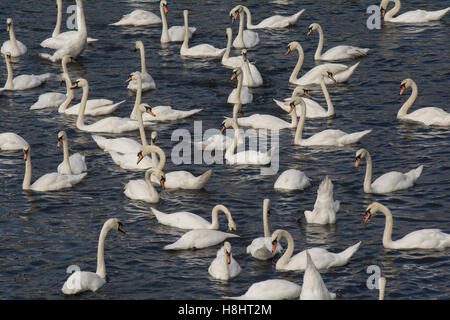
(236, 72)
(114, 223)
(227, 249)
(144, 107)
(9, 23)
(312, 27)
(383, 6)
(361, 153)
(163, 4)
(293, 45)
(161, 176)
(228, 122)
(405, 84)
(329, 75)
(371, 210)
(154, 136)
(234, 13)
(80, 82)
(275, 238)
(138, 45)
(133, 76)
(61, 135)
(8, 57)
(26, 152)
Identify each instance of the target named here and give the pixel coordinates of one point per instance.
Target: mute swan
(428, 116)
(415, 16)
(313, 109)
(227, 61)
(24, 81)
(174, 33)
(322, 258)
(252, 77)
(382, 286)
(189, 220)
(143, 189)
(251, 157)
(138, 17)
(109, 124)
(50, 181)
(292, 179)
(419, 239)
(76, 163)
(11, 141)
(224, 266)
(388, 182)
(80, 281)
(273, 22)
(313, 286)
(328, 137)
(273, 289)
(341, 72)
(147, 81)
(244, 39)
(203, 50)
(177, 179)
(341, 52)
(13, 47)
(325, 208)
(240, 91)
(199, 239)
(261, 248)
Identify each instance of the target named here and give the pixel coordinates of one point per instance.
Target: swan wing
(11, 141)
(181, 219)
(199, 238)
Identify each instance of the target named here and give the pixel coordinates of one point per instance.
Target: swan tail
(415, 173)
(203, 179)
(102, 142)
(47, 56)
(345, 75)
(280, 104)
(353, 137)
(295, 16)
(344, 256)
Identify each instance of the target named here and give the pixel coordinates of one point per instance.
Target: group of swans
(414, 16)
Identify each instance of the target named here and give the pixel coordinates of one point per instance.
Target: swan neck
(330, 106)
(141, 128)
(69, 94)
(101, 270)
(250, 82)
(289, 251)
(164, 32)
(301, 123)
(368, 177)
(215, 216)
(66, 161)
(9, 79)
(301, 56)
(236, 108)
(27, 177)
(186, 32)
(138, 99)
(408, 103)
(12, 37)
(153, 193)
(226, 55)
(143, 64)
(240, 35)
(391, 13)
(231, 148)
(80, 119)
(318, 53)
(81, 21)
(266, 222)
(249, 17)
(57, 29)
(387, 234)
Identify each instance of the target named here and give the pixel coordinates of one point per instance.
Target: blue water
(41, 234)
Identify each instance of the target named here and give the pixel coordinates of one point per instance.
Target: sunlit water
(43, 233)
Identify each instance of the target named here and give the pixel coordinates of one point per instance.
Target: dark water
(43, 233)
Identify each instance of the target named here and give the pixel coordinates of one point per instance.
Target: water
(43, 233)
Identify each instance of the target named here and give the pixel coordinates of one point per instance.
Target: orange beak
(165, 8)
(274, 245)
(288, 51)
(121, 229)
(292, 107)
(383, 11)
(309, 31)
(140, 157)
(306, 93)
(228, 258)
(73, 60)
(25, 155)
(330, 75)
(59, 143)
(402, 88)
(233, 76)
(222, 129)
(128, 80)
(149, 111)
(162, 183)
(8, 58)
(234, 17)
(73, 86)
(368, 215)
(8, 27)
(358, 160)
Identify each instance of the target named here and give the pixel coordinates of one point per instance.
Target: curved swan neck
(391, 13)
(69, 94)
(301, 123)
(81, 21)
(368, 177)
(162, 156)
(141, 128)
(185, 44)
(318, 53)
(289, 251)
(240, 35)
(226, 55)
(387, 234)
(249, 17)
(153, 193)
(80, 119)
(9, 79)
(408, 103)
(215, 216)
(66, 161)
(330, 106)
(231, 148)
(165, 30)
(301, 56)
(143, 64)
(27, 176)
(138, 99)
(101, 270)
(57, 29)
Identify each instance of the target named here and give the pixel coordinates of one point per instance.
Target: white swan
(80, 281)
(328, 137)
(24, 81)
(240, 91)
(340, 52)
(147, 81)
(313, 109)
(251, 157)
(273, 22)
(272, 289)
(244, 38)
(177, 179)
(322, 258)
(199, 239)
(11, 141)
(109, 124)
(14, 47)
(252, 77)
(415, 16)
(313, 287)
(174, 33)
(292, 179)
(227, 61)
(341, 72)
(388, 182)
(143, 189)
(419, 239)
(261, 248)
(224, 266)
(382, 286)
(325, 208)
(50, 181)
(76, 163)
(137, 18)
(203, 50)
(429, 116)
(189, 220)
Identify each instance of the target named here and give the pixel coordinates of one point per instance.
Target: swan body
(174, 33)
(273, 22)
(243, 93)
(273, 289)
(24, 81)
(138, 17)
(13, 47)
(76, 163)
(199, 239)
(325, 208)
(292, 179)
(81, 281)
(388, 182)
(143, 189)
(261, 248)
(340, 52)
(430, 116)
(244, 38)
(11, 141)
(322, 258)
(252, 77)
(224, 266)
(227, 61)
(419, 239)
(415, 16)
(313, 286)
(49, 100)
(167, 113)
(147, 81)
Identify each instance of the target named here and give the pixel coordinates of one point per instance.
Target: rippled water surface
(41, 234)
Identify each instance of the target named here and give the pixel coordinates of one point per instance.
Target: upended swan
(137, 18)
(388, 182)
(328, 137)
(261, 248)
(272, 289)
(80, 281)
(419, 239)
(322, 258)
(292, 179)
(340, 52)
(174, 33)
(244, 38)
(203, 50)
(13, 47)
(429, 116)
(76, 163)
(147, 81)
(224, 266)
(313, 287)
(341, 72)
(415, 16)
(11, 141)
(189, 220)
(199, 239)
(273, 22)
(50, 181)
(325, 207)
(240, 91)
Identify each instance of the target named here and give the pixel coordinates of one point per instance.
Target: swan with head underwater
(80, 281)
(414, 16)
(13, 47)
(244, 38)
(147, 81)
(224, 266)
(76, 163)
(273, 22)
(174, 33)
